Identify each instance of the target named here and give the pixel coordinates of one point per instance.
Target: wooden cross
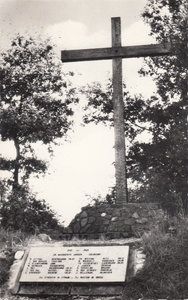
(116, 53)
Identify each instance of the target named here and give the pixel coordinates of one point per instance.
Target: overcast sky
(94, 14)
(84, 165)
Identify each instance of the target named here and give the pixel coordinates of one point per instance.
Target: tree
(100, 109)
(160, 165)
(3, 190)
(168, 22)
(156, 166)
(35, 103)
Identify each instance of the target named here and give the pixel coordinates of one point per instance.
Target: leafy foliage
(35, 102)
(168, 22)
(100, 109)
(22, 211)
(159, 166)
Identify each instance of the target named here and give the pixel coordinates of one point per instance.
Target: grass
(10, 242)
(165, 273)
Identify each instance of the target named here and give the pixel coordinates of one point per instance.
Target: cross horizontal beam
(115, 52)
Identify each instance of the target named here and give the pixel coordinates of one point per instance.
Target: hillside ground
(164, 275)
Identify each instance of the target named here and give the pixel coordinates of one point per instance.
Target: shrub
(22, 211)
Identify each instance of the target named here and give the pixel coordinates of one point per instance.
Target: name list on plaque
(76, 264)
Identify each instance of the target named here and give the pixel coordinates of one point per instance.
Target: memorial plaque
(76, 264)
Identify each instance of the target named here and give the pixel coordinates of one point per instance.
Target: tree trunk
(17, 165)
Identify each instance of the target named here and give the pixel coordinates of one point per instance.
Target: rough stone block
(106, 222)
(135, 215)
(124, 234)
(127, 229)
(76, 228)
(95, 228)
(19, 254)
(85, 229)
(91, 220)
(83, 215)
(83, 222)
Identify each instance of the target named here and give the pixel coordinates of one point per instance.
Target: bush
(165, 273)
(169, 201)
(22, 211)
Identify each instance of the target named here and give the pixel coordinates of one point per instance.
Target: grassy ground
(164, 276)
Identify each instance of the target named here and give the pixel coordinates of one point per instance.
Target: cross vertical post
(117, 53)
(120, 161)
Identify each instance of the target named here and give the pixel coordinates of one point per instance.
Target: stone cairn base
(107, 221)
